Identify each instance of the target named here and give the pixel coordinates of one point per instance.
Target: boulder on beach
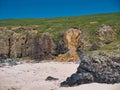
(100, 69)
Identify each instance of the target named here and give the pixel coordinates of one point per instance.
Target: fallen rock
(11, 62)
(8, 62)
(50, 78)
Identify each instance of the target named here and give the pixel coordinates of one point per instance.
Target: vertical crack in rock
(9, 47)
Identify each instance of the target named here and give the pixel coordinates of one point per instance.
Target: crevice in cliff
(9, 47)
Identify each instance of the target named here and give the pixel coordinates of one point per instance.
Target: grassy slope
(60, 24)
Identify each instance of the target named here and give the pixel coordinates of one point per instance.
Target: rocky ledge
(100, 69)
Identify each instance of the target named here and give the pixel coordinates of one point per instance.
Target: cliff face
(21, 41)
(44, 47)
(4, 46)
(15, 45)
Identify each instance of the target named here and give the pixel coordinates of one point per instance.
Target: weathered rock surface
(44, 47)
(4, 46)
(22, 42)
(106, 34)
(8, 62)
(14, 44)
(72, 39)
(101, 69)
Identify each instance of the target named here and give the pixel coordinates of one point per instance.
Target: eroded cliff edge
(24, 41)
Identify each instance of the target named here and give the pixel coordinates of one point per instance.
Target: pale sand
(32, 77)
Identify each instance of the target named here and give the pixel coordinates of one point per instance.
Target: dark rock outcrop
(44, 47)
(94, 47)
(50, 78)
(61, 47)
(101, 69)
(8, 62)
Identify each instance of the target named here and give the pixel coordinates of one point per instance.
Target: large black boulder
(100, 69)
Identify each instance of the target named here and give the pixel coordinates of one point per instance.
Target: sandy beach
(31, 76)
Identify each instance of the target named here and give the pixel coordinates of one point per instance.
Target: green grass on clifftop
(57, 25)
